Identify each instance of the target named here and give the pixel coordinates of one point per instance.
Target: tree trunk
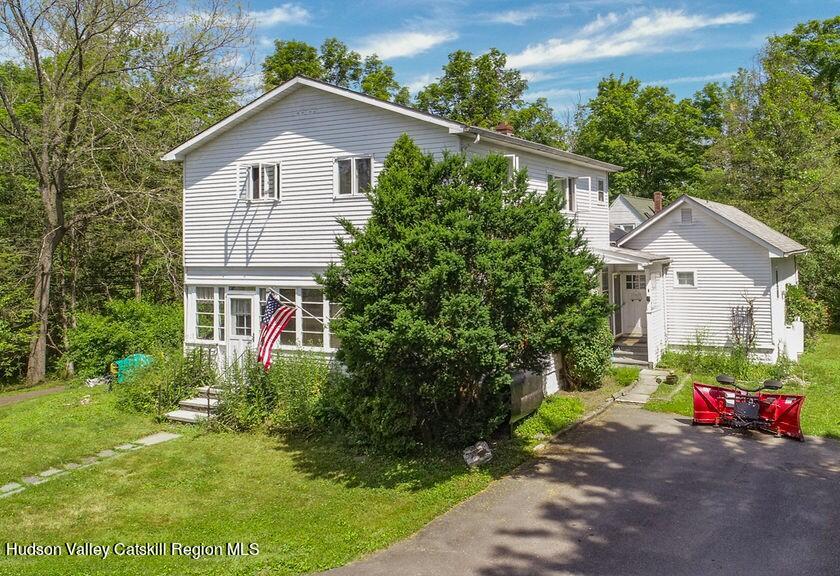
(138, 267)
(36, 368)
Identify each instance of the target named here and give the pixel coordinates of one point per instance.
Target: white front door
(241, 324)
(634, 304)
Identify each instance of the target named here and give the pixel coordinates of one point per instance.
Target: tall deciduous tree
(78, 54)
(336, 64)
(483, 91)
(660, 141)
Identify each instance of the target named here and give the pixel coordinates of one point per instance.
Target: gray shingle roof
(755, 227)
(644, 206)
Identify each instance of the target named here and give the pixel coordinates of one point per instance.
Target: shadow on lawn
(333, 460)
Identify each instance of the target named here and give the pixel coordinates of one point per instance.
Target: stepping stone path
(647, 385)
(28, 481)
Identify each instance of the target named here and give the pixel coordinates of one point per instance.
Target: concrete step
(630, 350)
(187, 416)
(628, 361)
(205, 391)
(199, 404)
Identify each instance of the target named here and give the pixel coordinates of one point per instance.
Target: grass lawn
(820, 366)
(309, 505)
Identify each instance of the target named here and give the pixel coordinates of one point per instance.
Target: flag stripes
(275, 318)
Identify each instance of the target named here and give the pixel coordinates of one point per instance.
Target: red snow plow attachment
(748, 408)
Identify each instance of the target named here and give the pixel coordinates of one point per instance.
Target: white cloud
(420, 82)
(403, 44)
(289, 13)
(612, 36)
(514, 17)
(538, 76)
(691, 79)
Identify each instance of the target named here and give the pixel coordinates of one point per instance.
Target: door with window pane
(241, 326)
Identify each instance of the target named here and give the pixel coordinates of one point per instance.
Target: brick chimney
(504, 128)
(657, 202)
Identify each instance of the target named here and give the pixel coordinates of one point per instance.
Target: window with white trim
(602, 189)
(685, 278)
(353, 176)
(582, 183)
(567, 188)
(240, 309)
(209, 313)
(260, 181)
(686, 216)
(309, 326)
(204, 313)
(512, 165)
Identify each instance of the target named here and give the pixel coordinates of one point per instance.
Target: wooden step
(199, 404)
(628, 361)
(187, 416)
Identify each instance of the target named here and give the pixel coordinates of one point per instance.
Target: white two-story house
(264, 187)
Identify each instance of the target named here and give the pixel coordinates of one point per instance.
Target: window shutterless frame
(689, 277)
(352, 175)
(566, 186)
(259, 181)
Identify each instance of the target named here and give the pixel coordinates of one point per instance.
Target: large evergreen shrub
(461, 276)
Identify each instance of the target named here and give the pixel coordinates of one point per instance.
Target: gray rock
(157, 438)
(10, 487)
(88, 460)
(107, 454)
(125, 447)
(33, 480)
(50, 472)
(71, 466)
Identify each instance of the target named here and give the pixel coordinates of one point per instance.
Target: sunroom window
(209, 313)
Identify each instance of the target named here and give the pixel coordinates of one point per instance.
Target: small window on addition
(685, 279)
(686, 216)
(602, 187)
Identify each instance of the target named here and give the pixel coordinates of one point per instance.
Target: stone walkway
(27, 481)
(647, 385)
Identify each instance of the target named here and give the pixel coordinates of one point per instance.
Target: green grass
(820, 367)
(50, 430)
(554, 414)
(308, 504)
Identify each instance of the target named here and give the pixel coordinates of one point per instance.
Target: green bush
(286, 399)
(736, 362)
(554, 414)
(124, 327)
(814, 314)
(461, 277)
(299, 379)
(172, 376)
(588, 357)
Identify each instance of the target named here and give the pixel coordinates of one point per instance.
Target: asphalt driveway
(641, 493)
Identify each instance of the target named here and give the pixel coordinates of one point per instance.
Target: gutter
(515, 142)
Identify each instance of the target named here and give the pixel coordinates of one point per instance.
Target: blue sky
(564, 48)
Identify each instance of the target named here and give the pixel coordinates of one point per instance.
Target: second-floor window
(261, 180)
(353, 176)
(602, 187)
(567, 187)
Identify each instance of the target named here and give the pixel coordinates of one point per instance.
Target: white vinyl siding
(305, 132)
(622, 215)
(727, 267)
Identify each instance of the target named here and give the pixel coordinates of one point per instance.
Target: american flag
(274, 319)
